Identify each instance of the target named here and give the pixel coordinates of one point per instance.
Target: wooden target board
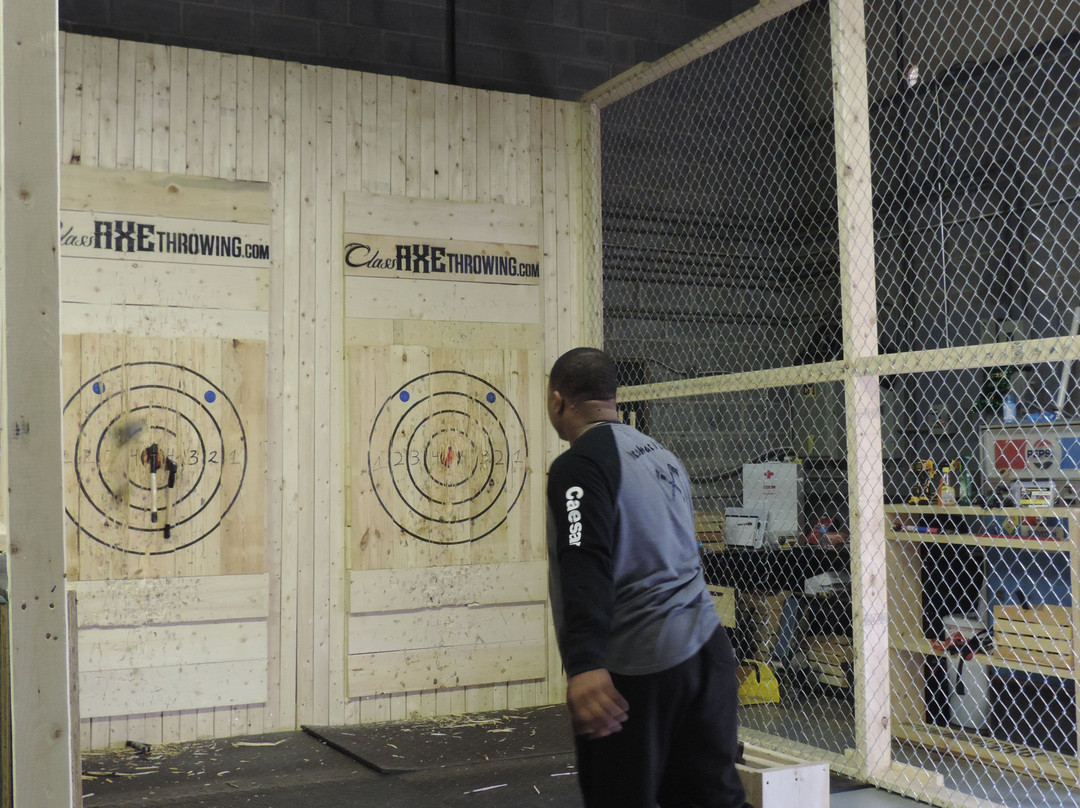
(441, 455)
(163, 460)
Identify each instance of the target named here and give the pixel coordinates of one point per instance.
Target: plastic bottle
(946, 493)
(1008, 408)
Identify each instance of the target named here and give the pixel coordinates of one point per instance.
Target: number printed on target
(448, 457)
(158, 457)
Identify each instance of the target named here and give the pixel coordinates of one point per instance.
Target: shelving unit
(910, 647)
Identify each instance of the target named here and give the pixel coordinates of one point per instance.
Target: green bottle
(965, 485)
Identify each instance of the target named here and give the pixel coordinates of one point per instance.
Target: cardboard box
(776, 780)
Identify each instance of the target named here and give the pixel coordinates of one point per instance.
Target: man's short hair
(584, 374)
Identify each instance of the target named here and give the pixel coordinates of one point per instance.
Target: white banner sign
(85, 234)
(441, 259)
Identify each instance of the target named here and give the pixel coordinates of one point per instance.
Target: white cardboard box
(776, 780)
(777, 490)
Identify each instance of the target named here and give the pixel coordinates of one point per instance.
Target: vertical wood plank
(344, 144)
(393, 96)
(245, 117)
(523, 151)
(71, 103)
(294, 608)
(413, 133)
(858, 292)
(91, 101)
(178, 97)
(161, 112)
(483, 148)
(497, 146)
(307, 638)
(260, 132)
(125, 105)
(211, 135)
(110, 55)
(280, 709)
(354, 151)
(440, 143)
(455, 144)
(552, 346)
(468, 144)
(144, 106)
(227, 156)
(195, 112)
(43, 765)
(322, 388)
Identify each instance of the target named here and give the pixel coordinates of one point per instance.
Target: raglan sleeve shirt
(582, 495)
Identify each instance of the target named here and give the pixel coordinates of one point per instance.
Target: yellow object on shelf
(757, 683)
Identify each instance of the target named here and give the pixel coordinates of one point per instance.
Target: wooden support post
(41, 713)
(856, 235)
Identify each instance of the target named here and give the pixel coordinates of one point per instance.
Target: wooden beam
(862, 394)
(29, 143)
(646, 73)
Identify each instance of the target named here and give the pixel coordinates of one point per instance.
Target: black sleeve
(582, 499)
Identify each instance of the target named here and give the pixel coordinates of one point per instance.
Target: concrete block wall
(549, 48)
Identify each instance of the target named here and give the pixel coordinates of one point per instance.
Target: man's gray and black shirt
(627, 589)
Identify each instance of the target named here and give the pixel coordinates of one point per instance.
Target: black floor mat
(431, 743)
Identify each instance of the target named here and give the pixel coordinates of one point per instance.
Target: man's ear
(559, 403)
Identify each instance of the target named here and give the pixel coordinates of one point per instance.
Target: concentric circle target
(448, 457)
(159, 457)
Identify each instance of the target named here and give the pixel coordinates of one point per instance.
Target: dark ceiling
(548, 48)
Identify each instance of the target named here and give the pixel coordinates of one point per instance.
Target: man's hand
(597, 709)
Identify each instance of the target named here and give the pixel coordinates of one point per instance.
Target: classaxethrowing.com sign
(440, 259)
(85, 234)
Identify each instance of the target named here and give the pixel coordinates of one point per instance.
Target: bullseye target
(448, 457)
(158, 456)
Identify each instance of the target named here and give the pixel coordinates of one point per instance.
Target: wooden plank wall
(314, 134)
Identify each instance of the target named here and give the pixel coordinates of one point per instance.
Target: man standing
(651, 675)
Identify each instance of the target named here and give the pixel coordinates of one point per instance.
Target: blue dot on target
(491, 398)
(404, 395)
(99, 387)
(210, 395)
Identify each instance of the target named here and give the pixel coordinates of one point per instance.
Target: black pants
(678, 747)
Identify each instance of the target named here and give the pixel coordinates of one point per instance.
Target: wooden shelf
(904, 564)
(924, 647)
(1012, 757)
(974, 510)
(975, 540)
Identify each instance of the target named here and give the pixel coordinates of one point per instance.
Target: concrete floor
(284, 770)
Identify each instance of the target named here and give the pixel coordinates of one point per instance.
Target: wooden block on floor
(775, 780)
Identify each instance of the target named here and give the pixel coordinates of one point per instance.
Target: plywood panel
(442, 627)
(141, 414)
(172, 195)
(103, 282)
(149, 602)
(162, 321)
(407, 299)
(464, 221)
(178, 687)
(105, 649)
(404, 671)
(441, 456)
(383, 590)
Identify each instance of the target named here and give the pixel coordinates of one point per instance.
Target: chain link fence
(731, 301)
